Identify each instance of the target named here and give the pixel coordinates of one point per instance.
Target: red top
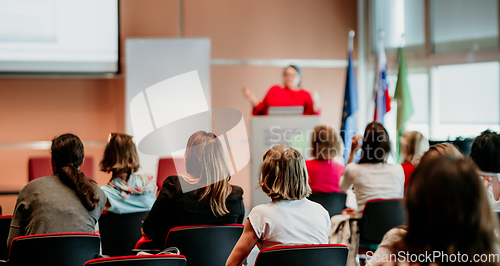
(408, 169)
(324, 176)
(279, 96)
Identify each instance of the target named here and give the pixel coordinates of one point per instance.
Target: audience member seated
(290, 218)
(202, 196)
(372, 177)
(485, 152)
(127, 192)
(324, 172)
(448, 213)
(65, 202)
(413, 145)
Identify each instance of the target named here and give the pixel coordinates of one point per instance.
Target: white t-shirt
(373, 181)
(290, 222)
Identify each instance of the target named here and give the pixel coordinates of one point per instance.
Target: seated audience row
(448, 212)
(442, 186)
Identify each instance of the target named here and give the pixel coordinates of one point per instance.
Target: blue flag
(348, 128)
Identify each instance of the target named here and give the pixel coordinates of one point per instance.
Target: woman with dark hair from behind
(372, 177)
(448, 212)
(127, 191)
(485, 153)
(201, 196)
(66, 202)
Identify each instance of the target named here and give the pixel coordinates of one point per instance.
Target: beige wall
(37, 109)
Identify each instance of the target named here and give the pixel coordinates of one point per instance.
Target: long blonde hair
(206, 166)
(416, 146)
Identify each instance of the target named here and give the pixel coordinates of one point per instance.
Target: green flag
(403, 98)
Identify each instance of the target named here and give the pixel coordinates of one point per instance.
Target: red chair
(42, 166)
(304, 255)
(5, 221)
(205, 245)
(62, 249)
(145, 260)
(168, 167)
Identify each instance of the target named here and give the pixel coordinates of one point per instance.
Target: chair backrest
(205, 245)
(145, 260)
(334, 202)
(120, 232)
(64, 249)
(380, 216)
(168, 167)
(42, 166)
(5, 221)
(317, 255)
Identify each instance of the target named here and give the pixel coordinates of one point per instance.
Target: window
(464, 25)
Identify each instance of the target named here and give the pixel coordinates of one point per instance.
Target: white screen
(72, 36)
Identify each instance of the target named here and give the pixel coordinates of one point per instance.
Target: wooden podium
(273, 130)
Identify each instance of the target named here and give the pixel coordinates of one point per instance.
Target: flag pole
(350, 40)
(381, 34)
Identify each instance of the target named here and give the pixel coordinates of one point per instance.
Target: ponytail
(67, 157)
(76, 179)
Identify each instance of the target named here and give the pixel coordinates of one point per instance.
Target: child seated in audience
(485, 153)
(127, 192)
(448, 213)
(290, 218)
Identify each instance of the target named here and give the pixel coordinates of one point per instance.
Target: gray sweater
(46, 205)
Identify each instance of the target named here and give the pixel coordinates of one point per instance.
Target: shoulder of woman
(237, 190)
(171, 180)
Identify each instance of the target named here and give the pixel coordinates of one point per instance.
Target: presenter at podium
(289, 95)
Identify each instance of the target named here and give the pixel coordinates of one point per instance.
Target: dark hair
(67, 157)
(376, 144)
(299, 72)
(485, 151)
(326, 143)
(120, 155)
(449, 210)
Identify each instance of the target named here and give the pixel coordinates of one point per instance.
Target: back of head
(416, 145)
(448, 209)
(67, 157)
(441, 149)
(485, 151)
(326, 143)
(284, 174)
(120, 155)
(376, 144)
(206, 165)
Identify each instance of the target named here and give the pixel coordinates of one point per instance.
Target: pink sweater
(324, 176)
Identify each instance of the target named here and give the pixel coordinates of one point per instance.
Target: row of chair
(70, 249)
(120, 232)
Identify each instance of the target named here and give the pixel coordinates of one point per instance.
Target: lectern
(273, 130)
